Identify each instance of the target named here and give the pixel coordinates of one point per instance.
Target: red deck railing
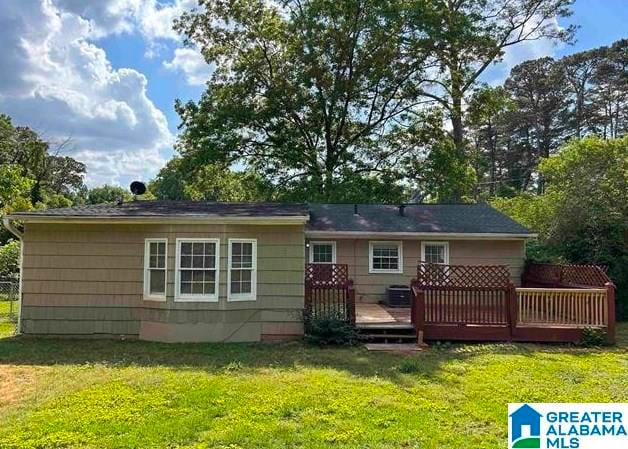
(567, 276)
(329, 291)
(460, 302)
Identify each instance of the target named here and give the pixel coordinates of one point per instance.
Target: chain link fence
(9, 296)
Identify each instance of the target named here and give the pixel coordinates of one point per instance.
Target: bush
(329, 329)
(593, 337)
(10, 260)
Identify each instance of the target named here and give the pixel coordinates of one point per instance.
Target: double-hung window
(155, 256)
(197, 270)
(435, 253)
(385, 257)
(242, 275)
(323, 252)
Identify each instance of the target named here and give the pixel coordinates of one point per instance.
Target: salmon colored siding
(371, 287)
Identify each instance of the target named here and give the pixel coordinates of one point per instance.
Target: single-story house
(198, 271)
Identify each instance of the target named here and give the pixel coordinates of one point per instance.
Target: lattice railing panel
(331, 275)
(566, 275)
(433, 276)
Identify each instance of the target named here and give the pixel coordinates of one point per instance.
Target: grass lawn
(6, 323)
(101, 394)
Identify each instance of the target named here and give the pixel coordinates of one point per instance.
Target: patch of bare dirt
(15, 384)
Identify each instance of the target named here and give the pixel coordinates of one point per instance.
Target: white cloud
(519, 53)
(63, 84)
(191, 63)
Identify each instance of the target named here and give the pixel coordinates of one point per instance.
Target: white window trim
(430, 242)
(186, 297)
(147, 294)
(323, 242)
(243, 296)
(399, 244)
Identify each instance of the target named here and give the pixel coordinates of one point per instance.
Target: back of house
(180, 271)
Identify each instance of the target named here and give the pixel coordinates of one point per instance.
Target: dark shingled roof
(156, 209)
(440, 218)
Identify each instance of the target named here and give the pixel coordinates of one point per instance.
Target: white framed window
(435, 252)
(155, 261)
(385, 257)
(322, 252)
(197, 273)
(242, 270)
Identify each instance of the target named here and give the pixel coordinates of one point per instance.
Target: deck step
(376, 335)
(405, 347)
(382, 326)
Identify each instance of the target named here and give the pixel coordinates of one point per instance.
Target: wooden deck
(367, 314)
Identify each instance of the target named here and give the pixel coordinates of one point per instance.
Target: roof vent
(355, 209)
(402, 210)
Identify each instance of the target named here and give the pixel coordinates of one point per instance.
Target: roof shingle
(371, 218)
(437, 218)
(156, 209)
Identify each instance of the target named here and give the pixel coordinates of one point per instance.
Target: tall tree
(465, 37)
(610, 90)
(485, 116)
(539, 93)
(52, 173)
(304, 91)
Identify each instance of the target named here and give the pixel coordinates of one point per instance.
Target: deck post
(351, 302)
(511, 306)
(418, 314)
(610, 297)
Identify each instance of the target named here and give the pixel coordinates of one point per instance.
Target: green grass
(8, 314)
(102, 394)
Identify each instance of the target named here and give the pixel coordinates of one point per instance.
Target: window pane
(186, 248)
(186, 262)
(198, 249)
(209, 288)
(322, 253)
(197, 288)
(186, 288)
(197, 261)
(435, 254)
(157, 284)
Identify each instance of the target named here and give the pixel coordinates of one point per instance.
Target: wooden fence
(480, 303)
(329, 292)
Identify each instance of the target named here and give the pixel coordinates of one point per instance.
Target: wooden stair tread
(393, 347)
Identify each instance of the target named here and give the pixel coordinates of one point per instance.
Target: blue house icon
(525, 416)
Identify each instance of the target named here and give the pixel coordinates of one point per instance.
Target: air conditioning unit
(398, 296)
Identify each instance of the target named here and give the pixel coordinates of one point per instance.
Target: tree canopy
(320, 96)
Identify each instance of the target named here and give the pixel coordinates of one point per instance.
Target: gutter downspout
(13, 230)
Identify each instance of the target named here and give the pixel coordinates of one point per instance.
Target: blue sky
(107, 72)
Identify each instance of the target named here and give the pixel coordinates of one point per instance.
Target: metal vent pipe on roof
(355, 209)
(402, 210)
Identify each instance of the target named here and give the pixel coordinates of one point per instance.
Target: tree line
(543, 104)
